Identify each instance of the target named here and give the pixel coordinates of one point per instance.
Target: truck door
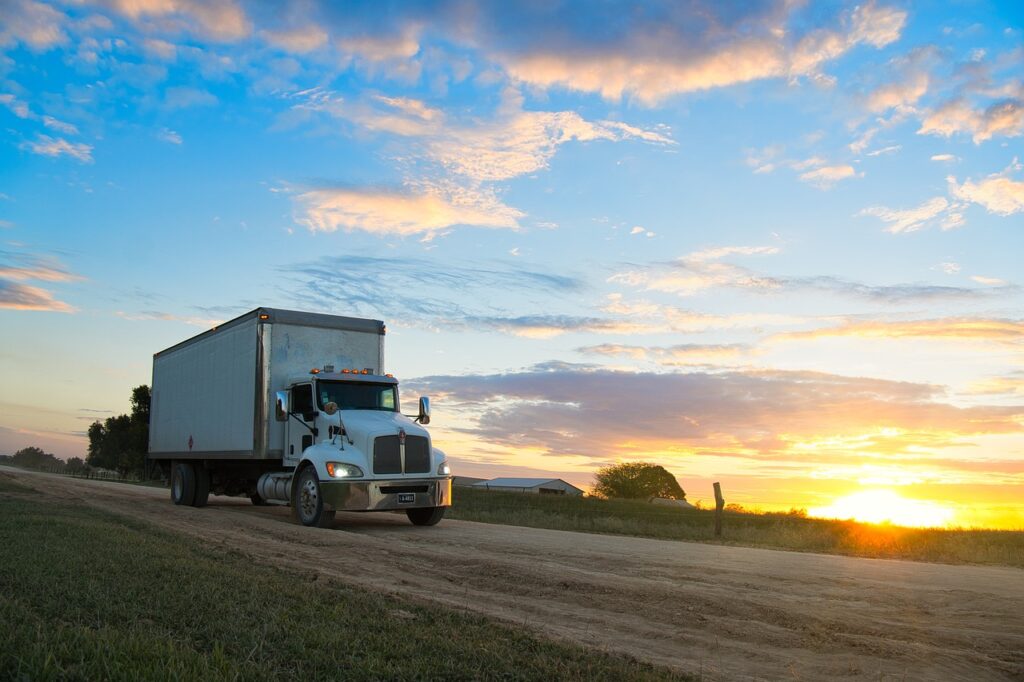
(300, 437)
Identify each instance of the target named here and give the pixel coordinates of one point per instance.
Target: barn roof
(520, 482)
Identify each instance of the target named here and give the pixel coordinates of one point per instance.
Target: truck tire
(202, 486)
(426, 516)
(183, 483)
(308, 503)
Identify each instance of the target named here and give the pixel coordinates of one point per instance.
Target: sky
(771, 244)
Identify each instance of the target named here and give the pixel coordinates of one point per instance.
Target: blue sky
(774, 244)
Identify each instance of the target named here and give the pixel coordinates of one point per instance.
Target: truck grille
(387, 457)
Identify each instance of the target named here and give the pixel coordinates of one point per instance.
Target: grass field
(88, 595)
(778, 531)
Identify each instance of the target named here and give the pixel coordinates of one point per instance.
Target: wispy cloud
(688, 276)
(827, 176)
(50, 146)
(511, 143)
(914, 219)
(193, 320)
(950, 328)
(17, 106)
(168, 135)
(18, 268)
(427, 209)
(17, 296)
(421, 290)
(671, 356)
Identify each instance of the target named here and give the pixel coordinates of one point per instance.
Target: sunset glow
(886, 506)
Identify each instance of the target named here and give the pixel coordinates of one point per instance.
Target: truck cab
(354, 450)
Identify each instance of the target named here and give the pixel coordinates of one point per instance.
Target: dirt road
(721, 612)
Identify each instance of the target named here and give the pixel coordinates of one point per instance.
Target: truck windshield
(353, 396)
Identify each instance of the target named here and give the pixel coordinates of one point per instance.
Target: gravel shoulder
(714, 611)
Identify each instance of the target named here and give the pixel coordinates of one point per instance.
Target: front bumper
(384, 495)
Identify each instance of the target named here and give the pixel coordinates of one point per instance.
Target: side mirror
(281, 406)
(424, 415)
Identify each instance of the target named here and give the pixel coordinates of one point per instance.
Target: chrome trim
(367, 496)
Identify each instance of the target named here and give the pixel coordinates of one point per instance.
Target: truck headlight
(339, 470)
(444, 470)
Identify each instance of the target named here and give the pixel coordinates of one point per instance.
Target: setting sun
(886, 506)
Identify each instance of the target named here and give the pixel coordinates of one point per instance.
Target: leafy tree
(637, 480)
(76, 465)
(121, 442)
(34, 458)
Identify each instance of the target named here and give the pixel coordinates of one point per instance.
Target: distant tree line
(34, 458)
(120, 443)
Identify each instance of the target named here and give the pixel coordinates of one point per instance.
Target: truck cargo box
(212, 395)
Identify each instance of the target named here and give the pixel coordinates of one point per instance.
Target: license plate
(406, 498)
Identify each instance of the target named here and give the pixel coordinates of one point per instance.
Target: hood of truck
(365, 425)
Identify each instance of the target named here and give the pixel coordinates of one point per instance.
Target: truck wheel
(426, 516)
(308, 503)
(183, 483)
(202, 486)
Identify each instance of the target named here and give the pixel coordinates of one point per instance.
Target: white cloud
(168, 135)
(17, 107)
(160, 49)
(997, 193)
(1004, 118)
(35, 24)
(518, 142)
(695, 49)
(422, 210)
(59, 126)
(990, 281)
(909, 220)
(50, 146)
(826, 176)
(301, 39)
(886, 150)
(944, 158)
(222, 20)
(950, 268)
(898, 94)
(514, 142)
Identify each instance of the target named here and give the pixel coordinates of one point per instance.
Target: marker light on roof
(346, 371)
(390, 376)
(365, 371)
(314, 371)
(264, 316)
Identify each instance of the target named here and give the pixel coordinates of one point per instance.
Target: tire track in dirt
(721, 612)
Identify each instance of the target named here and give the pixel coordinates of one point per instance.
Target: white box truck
(294, 407)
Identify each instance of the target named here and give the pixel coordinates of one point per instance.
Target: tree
(637, 480)
(76, 465)
(35, 458)
(121, 442)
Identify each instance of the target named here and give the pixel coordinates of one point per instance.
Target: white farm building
(542, 486)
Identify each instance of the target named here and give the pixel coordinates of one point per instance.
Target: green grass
(87, 595)
(777, 531)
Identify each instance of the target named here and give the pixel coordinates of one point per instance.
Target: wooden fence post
(719, 506)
